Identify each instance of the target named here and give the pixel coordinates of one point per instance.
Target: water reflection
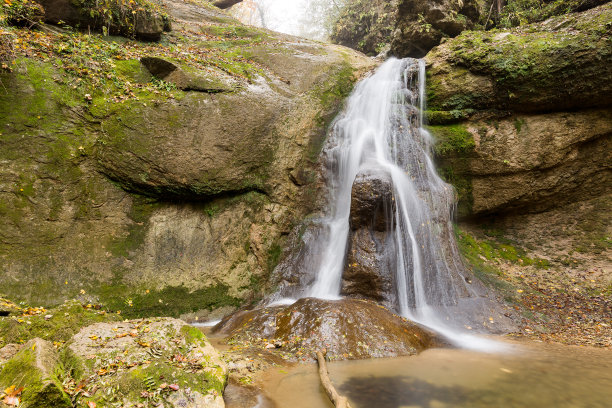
(539, 376)
(396, 392)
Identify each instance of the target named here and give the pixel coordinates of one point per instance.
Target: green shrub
(22, 13)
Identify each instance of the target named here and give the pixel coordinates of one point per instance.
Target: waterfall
(382, 130)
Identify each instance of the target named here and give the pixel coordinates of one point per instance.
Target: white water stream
(382, 129)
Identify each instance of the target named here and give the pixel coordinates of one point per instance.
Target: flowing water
(542, 376)
(381, 130)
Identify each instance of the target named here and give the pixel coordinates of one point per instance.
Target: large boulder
(142, 20)
(372, 201)
(34, 370)
(157, 361)
(370, 264)
(408, 28)
(347, 329)
(421, 25)
(522, 117)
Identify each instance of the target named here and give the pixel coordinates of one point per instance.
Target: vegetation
(56, 325)
(120, 16)
(520, 12)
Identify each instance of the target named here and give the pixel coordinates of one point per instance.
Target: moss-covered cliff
(151, 196)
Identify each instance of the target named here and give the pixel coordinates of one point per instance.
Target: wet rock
(348, 329)
(372, 200)
(370, 266)
(35, 369)
(162, 359)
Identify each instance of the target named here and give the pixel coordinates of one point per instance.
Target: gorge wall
(168, 198)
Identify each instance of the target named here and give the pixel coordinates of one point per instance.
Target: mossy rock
(147, 361)
(56, 325)
(35, 369)
(561, 64)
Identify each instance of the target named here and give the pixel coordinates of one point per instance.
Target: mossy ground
(554, 304)
(55, 325)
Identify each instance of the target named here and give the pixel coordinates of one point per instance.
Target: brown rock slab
(347, 329)
(370, 266)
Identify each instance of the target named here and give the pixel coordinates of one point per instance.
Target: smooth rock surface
(372, 201)
(347, 329)
(370, 267)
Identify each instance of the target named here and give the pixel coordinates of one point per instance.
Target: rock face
(527, 128)
(370, 262)
(372, 201)
(366, 25)
(348, 329)
(35, 369)
(146, 24)
(421, 25)
(158, 361)
(411, 28)
(178, 203)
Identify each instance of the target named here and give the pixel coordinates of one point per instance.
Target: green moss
(331, 96)
(171, 301)
(475, 256)
(452, 140)
(39, 391)
(434, 118)
(65, 321)
(192, 334)
(274, 254)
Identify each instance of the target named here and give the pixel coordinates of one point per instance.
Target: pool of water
(534, 375)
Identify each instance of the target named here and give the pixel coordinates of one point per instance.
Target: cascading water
(381, 129)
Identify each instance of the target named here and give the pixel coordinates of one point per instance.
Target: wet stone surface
(347, 329)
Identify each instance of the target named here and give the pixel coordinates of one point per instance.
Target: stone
(153, 352)
(347, 329)
(35, 369)
(8, 308)
(157, 196)
(7, 352)
(225, 4)
(369, 272)
(372, 200)
(561, 64)
(524, 141)
(147, 25)
(172, 73)
(411, 27)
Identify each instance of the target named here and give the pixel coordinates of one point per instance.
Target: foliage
(56, 325)
(120, 15)
(364, 25)
(520, 12)
(23, 13)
